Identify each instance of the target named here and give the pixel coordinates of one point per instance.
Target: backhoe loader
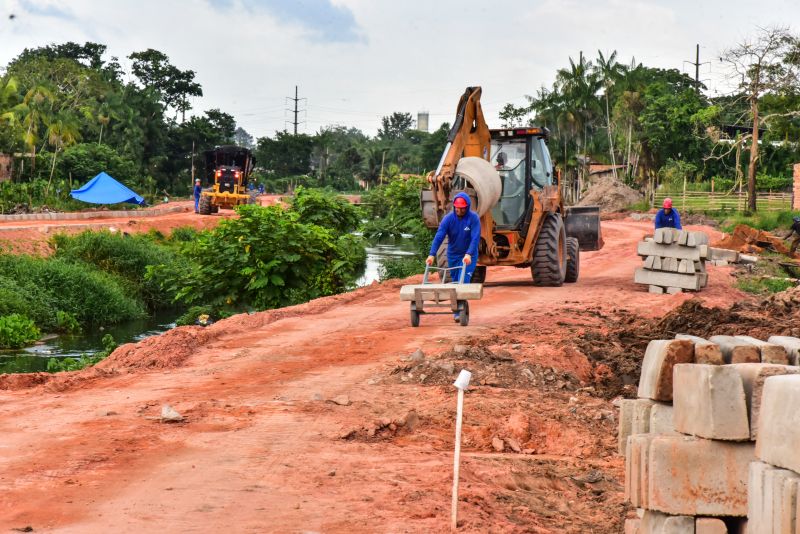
(516, 192)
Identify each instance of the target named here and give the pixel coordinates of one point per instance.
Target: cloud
(45, 9)
(325, 21)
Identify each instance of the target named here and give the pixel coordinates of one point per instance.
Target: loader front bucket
(583, 222)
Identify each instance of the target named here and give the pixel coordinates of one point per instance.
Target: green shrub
(325, 209)
(17, 331)
(90, 296)
(266, 258)
(183, 234)
(67, 323)
(762, 220)
(401, 268)
(124, 255)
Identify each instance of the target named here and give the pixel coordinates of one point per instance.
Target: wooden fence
(716, 201)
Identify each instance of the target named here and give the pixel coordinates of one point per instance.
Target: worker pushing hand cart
(455, 296)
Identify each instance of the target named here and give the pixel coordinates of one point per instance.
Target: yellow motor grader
(230, 166)
(515, 190)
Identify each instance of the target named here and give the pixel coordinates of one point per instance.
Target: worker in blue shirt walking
(197, 192)
(667, 217)
(462, 227)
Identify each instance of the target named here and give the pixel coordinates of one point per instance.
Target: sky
(355, 61)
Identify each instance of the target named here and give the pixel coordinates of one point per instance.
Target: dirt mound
(610, 195)
(751, 240)
(158, 352)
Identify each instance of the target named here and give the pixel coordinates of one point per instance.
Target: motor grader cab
(229, 167)
(515, 190)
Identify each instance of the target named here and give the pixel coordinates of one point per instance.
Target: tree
(765, 64)
(395, 125)
(242, 138)
(608, 71)
(173, 85)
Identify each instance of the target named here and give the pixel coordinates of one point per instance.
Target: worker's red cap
(460, 202)
(667, 202)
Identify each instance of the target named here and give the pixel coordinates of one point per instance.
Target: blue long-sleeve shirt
(198, 189)
(670, 220)
(463, 233)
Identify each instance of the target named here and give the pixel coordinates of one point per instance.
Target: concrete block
(753, 377)
(710, 525)
(634, 469)
(651, 248)
(792, 346)
(704, 350)
(709, 402)
(735, 350)
(668, 279)
(703, 279)
(632, 525)
(661, 418)
(673, 290)
(665, 236)
(686, 266)
(693, 476)
(786, 519)
(648, 262)
(656, 290)
(624, 426)
(770, 352)
(660, 357)
(755, 496)
(730, 256)
(640, 422)
(657, 523)
(657, 263)
(429, 291)
(779, 422)
(700, 266)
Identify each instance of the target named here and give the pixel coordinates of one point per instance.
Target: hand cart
(454, 296)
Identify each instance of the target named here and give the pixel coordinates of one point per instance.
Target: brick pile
(675, 260)
(704, 452)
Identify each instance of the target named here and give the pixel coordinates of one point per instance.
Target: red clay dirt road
(263, 448)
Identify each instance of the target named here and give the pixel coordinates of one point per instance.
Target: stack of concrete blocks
(773, 497)
(689, 439)
(674, 260)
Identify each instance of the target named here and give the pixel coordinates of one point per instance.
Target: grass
(763, 286)
(762, 220)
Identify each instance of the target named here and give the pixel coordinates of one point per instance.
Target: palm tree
(29, 115)
(608, 71)
(62, 131)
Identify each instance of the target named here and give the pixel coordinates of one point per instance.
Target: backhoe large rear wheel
(441, 262)
(573, 260)
(549, 266)
(205, 205)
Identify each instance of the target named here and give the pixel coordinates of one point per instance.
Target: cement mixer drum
(481, 176)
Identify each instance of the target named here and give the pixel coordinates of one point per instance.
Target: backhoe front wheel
(549, 268)
(573, 260)
(205, 205)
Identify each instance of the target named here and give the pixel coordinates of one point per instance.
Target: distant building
(422, 121)
(598, 171)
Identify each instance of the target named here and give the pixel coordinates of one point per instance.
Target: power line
(697, 64)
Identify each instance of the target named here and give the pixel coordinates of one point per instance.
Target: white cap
(462, 382)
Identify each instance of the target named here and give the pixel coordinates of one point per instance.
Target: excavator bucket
(583, 222)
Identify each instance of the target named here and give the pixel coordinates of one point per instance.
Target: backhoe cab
(230, 167)
(511, 179)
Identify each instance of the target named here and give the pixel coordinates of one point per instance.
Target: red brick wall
(796, 188)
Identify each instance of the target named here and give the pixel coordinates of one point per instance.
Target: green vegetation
(17, 331)
(762, 220)
(56, 365)
(326, 209)
(763, 286)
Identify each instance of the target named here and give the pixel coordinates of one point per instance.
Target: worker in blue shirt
(198, 189)
(462, 227)
(667, 217)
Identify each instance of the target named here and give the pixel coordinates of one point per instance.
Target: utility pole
(295, 109)
(696, 64)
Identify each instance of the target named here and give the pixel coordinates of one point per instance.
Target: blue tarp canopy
(103, 189)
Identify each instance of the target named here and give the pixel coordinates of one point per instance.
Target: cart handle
(428, 268)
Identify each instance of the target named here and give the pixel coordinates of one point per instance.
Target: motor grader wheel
(204, 207)
(573, 260)
(549, 267)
